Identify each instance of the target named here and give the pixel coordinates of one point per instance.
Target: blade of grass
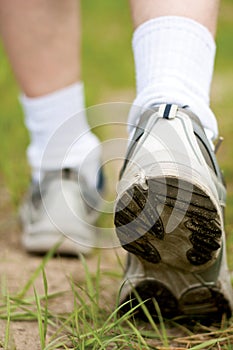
(56, 343)
(207, 343)
(39, 319)
(7, 330)
(90, 289)
(46, 303)
(97, 280)
(161, 322)
(139, 336)
(37, 271)
(147, 313)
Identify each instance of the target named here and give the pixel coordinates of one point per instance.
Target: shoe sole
(171, 221)
(42, 242)
(200, 304)
(145, 226)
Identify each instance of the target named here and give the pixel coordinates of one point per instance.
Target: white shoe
(61, 209)
(169, 217)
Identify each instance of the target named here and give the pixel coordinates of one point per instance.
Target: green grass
(93, 325)
(107, 69)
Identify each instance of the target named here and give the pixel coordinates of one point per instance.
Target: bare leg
(41, 38)
(204, 12)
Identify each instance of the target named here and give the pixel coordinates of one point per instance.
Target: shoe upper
(62, 204)
(60, 178)
(168, 112)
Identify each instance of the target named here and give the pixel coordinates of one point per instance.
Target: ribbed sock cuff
(174, 60)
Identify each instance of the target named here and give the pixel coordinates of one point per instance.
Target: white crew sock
(60, 135)
(174, 60)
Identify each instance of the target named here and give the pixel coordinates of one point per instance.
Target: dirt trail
(16, 267)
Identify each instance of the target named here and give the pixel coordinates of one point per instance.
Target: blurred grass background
(108, 73)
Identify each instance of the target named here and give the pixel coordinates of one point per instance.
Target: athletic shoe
(61, 209)
(169, 217)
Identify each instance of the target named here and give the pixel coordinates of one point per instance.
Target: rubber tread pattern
(201, 304)
(137, 220)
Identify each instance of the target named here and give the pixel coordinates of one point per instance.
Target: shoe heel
(167, 209)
